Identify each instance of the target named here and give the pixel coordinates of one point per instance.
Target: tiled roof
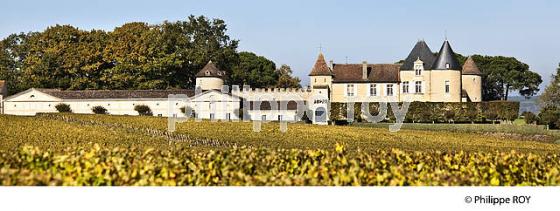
(446, 56)
(470, 68)
(320, 67)
(210, 70)
(420, 51)
(379, 73)
(115, 94)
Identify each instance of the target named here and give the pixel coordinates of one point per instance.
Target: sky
(291, 32)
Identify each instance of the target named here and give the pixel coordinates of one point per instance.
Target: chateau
(422, 76)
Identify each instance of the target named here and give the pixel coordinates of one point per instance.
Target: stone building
(422, 77)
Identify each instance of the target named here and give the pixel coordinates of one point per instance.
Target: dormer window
(32, 96)
(418, 72)
(447, 66)
(207, 73)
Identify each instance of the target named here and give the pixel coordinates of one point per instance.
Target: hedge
(437, 112)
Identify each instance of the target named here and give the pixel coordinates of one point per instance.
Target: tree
(133, 56)
(13, 53)
(551, 94)
(255, 71)
(501, 75)
(285, 78)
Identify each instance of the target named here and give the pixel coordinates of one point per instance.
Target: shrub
(449, 115)
(185, 109)
(550, 116)
(307, 116)
(99, 110)
(63, 108)
(440, 112)
(530, 117)
(143, 110)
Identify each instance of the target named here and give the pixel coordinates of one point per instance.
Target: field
(67, 149)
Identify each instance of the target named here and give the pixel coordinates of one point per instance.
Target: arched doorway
(320, 115)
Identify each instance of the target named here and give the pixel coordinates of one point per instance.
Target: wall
(472, 84)
(208, 83)
(362, 93)
(437, 89)
(321, 81)
(411, 77)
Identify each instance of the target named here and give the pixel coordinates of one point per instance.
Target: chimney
(331, 64)
(364, 70)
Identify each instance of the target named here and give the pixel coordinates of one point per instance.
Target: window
(263, 117)
(418, 71)
(418, 86)
(446, 65)
(389, 89)
(228, 116)
(211, 116)
(324, 80)
(315, 80)
(160, 115)
(350, 90)
(279, 117)
(405, 86)
(446, 87)
(373, 90)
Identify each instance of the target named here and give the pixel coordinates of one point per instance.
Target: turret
(210, 77)
(472, 80)
(321, 75)
(446, 76)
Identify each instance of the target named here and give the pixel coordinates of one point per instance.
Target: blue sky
(290, 32)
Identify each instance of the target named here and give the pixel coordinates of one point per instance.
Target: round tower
(446, 76)
(210, 77)
(472, 81)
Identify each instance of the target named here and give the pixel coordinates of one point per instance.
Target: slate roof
(210, 70)
(320, 68)
(422, 51)
(446, 56)
(379, 73)
(114, 94)
(470, 68)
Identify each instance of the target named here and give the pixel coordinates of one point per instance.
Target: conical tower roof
(210, 70)
(420, 51)
(320, 68)
(446, 59)
(470, 68)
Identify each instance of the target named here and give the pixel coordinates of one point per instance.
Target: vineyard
(69, 149)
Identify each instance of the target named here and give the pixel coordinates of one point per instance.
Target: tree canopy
(133, 56)
(551, 94)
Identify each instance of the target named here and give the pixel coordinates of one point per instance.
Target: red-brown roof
(320, 68)
(470, 68)
(210, 70)
(115, 94)
(379, 73)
